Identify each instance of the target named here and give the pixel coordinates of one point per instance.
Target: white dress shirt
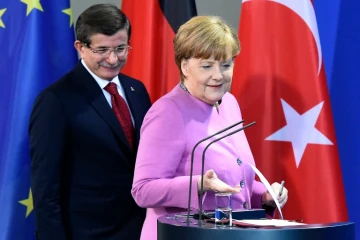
(103, 83)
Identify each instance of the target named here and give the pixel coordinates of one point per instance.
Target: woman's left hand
(212, 182)
(269, 201)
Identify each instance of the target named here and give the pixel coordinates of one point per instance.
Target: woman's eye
(206, 67)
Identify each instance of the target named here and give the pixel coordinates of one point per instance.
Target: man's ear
(79, 47)
(184, 67)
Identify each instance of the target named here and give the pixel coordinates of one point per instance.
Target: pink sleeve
(162, 144)
(257, 191)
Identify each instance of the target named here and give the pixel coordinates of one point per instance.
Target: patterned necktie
(122, 112)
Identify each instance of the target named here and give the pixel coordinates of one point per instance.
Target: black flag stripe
(178, 12)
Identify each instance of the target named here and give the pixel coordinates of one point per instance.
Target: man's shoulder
(59, 85)
(77, 75)
(62, 85)
(133, 84)
(126, 78)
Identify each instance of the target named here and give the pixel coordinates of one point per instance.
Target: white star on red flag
(300, 130)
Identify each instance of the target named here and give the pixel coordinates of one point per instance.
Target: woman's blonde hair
(204, 37)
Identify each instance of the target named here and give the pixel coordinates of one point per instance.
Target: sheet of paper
(270, 222)
(268, 187)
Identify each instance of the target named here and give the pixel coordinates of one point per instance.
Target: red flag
(280, 83)
(154, 24)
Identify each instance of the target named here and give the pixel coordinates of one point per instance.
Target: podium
(175, 227)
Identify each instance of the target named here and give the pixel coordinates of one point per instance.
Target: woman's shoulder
(228, 98)
(169, 104)
(165, 112)
(176, 98)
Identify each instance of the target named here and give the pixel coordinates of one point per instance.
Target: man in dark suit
(83, 138)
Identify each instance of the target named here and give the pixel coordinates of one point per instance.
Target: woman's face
(207, 79)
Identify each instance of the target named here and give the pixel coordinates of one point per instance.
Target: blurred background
(228, 9)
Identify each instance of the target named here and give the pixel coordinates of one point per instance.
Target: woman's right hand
(213, 183)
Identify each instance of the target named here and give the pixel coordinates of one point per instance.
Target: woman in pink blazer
(205, 50)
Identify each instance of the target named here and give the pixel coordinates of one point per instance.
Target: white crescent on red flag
(280, 83)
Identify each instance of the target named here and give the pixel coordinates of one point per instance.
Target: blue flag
(36, 39)
(339, 24)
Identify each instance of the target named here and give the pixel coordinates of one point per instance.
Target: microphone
(192, 162)
(203, 161)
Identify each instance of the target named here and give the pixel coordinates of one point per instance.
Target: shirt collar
(102, 82)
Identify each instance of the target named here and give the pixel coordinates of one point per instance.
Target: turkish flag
(280, 83)
(154, 24)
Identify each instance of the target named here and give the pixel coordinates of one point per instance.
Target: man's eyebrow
(102, 47)
(121, 45)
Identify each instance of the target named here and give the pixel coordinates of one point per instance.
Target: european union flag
(36, 39)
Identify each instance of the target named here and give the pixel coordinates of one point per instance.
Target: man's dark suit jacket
(82, 165)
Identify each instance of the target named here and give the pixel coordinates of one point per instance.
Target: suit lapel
(93, 93)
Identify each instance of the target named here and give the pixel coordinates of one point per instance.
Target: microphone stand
(203, 161)
(192, 163)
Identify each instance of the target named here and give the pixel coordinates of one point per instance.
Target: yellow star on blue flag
(32, 4)
(2, 11)
(28, 203)
(69, 12)
(38, 49)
